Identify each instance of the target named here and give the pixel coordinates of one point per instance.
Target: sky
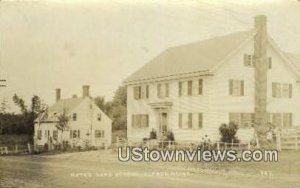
(66, 44)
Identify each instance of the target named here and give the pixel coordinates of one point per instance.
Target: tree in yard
(115, 109)
(228, 132)
(62, 124)
(21, 103)
(30, 114)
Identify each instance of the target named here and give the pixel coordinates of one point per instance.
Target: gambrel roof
(198, 56)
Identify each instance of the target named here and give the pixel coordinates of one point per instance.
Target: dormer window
(74, 116)
(99, 117)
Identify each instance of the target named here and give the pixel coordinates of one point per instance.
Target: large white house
(87, 124)
(192, 89)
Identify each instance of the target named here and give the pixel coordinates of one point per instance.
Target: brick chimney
(58, 94)
(260, 70)
(85, 91)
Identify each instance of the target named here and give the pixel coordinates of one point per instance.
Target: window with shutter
(276, 119)
(137, 92)
(248, 60)
(235, 118)
(236, 87)
(140, 120)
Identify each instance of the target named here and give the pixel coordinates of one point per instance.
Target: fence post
(249, 145)
(225, 145)
(169, 144)
(218, 145)
(16, 148)
(29, 148)
(117, 142)
(278, 141)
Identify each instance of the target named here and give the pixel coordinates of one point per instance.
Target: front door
(163, 128)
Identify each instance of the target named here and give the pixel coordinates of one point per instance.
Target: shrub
(228, 132)
(170, 136)
(153, 134)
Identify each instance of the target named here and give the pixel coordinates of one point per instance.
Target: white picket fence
(17, 149)
(290, 139)
(159, 144)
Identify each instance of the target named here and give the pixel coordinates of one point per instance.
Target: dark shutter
(132, 121)
(190, 87)
(200, 120)
(147, 91)
(274, 89)
(230, 87)
(242, 87)
(200, 89)
(179, 88)
(290, 90)
(190, 120)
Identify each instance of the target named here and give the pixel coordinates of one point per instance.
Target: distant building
(192, 89)
(87, 124)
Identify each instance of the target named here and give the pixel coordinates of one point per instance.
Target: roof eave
(170, 77)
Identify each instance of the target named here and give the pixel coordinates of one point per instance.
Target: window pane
(285, 90)
(287, 119)
(235, 118)
(180, 120)
(276, 119)
(159, 90)
(167, 90)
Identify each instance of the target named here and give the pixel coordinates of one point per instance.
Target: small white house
(87, 124)
(192, 89)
